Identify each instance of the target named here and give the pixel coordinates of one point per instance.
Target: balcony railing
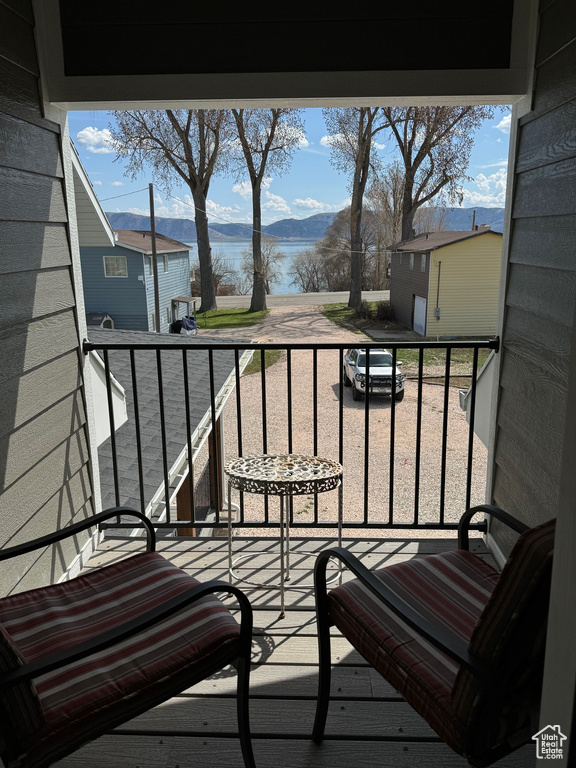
(410, 464)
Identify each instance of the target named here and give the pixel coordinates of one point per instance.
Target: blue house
(117, 273)
(119, 280)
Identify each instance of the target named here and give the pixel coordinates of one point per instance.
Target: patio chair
(81, 657)
(461, 642)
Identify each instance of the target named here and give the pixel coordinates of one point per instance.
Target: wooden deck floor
(369, 724)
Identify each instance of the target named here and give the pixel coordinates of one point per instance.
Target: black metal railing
(408, 464)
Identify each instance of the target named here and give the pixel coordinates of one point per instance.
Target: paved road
(299, 299)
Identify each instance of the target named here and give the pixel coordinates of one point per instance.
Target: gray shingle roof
(430, 241)
(147, 390)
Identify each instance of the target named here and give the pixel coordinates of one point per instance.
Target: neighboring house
(119, 280)
(151, 496)
(447, 283)
(117, 273)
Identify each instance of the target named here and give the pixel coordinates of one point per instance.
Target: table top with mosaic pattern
(285, 474)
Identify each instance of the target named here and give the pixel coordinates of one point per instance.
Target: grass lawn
(271, 356)
(238, 317)
(460, 360)
(342, 315)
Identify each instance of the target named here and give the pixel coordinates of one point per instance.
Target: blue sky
(311, 185)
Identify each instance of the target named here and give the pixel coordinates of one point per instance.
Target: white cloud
(503, 163)
(117, 183)
(96, 141)
(312, 206)
(244, 188)
(504, 124)
(327, 141)
(487, 191)
(223, 212)
(378, 146)
(276, 203)
(97, 183)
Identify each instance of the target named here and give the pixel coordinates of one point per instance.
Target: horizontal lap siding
(541, 284)
(44, 461)
(123, 298)
(469, 287)
(175, 282)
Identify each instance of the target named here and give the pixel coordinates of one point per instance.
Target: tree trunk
(355, 298)
(258, 302)
(408, 210)
(207, 287)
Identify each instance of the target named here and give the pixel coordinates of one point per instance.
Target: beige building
(447, 283)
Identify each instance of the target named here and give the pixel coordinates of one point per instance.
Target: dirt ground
(368, 493)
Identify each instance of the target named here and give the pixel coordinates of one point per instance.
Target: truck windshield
(377, 359)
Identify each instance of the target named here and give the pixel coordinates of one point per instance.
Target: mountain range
(311, 228)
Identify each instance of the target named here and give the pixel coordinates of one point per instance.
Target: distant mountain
(460, 219)
(311, 228)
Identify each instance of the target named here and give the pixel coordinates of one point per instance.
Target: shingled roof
(430, 241)
(149, 407)
(142, 241)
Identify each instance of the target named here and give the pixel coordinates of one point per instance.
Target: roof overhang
(484, 78)
(93, 227)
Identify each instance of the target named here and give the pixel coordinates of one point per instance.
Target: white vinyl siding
(469, 287)
(115, 266)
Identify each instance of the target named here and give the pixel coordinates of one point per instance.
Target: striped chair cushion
(510, 637)
(83, 699)
(449, 590)
(20, 710)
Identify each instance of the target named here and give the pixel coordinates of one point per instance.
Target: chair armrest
(444, 640)
(72, 530)
(128, 629)
(488, 509)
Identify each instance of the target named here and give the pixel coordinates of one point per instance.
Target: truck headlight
(360, 377)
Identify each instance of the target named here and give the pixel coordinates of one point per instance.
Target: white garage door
(420, 315)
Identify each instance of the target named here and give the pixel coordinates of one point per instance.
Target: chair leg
(324, 676)
(243, 707)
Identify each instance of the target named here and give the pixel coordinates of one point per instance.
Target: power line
(126, 194)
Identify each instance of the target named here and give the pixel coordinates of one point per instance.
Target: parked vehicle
(381, 376)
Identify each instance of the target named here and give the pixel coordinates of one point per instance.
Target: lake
(232, 250)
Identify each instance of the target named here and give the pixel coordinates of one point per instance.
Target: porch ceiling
(177, 54)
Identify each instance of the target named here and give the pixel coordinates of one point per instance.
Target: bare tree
(307, 271)
(335, 249)
(267, 140)
(182, 145)
(435, 145)
(272, 259)
(352, 131)
(222, 270)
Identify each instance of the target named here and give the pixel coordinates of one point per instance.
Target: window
(400, 257)
(115, 266)
(165, 262)
(150, 271)
(153, 321)
(168, 315)
(423, 263)
(411, 261)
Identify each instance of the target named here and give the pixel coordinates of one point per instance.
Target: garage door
(420, 315)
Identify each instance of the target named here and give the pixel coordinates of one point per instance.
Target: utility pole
(154, 259)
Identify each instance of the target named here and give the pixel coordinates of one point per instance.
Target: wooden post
(183, 507)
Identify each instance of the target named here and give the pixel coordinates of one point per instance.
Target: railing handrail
(492, 343)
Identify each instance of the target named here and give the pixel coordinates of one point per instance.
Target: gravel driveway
(293, 324)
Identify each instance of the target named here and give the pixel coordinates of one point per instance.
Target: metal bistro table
(281, 475)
